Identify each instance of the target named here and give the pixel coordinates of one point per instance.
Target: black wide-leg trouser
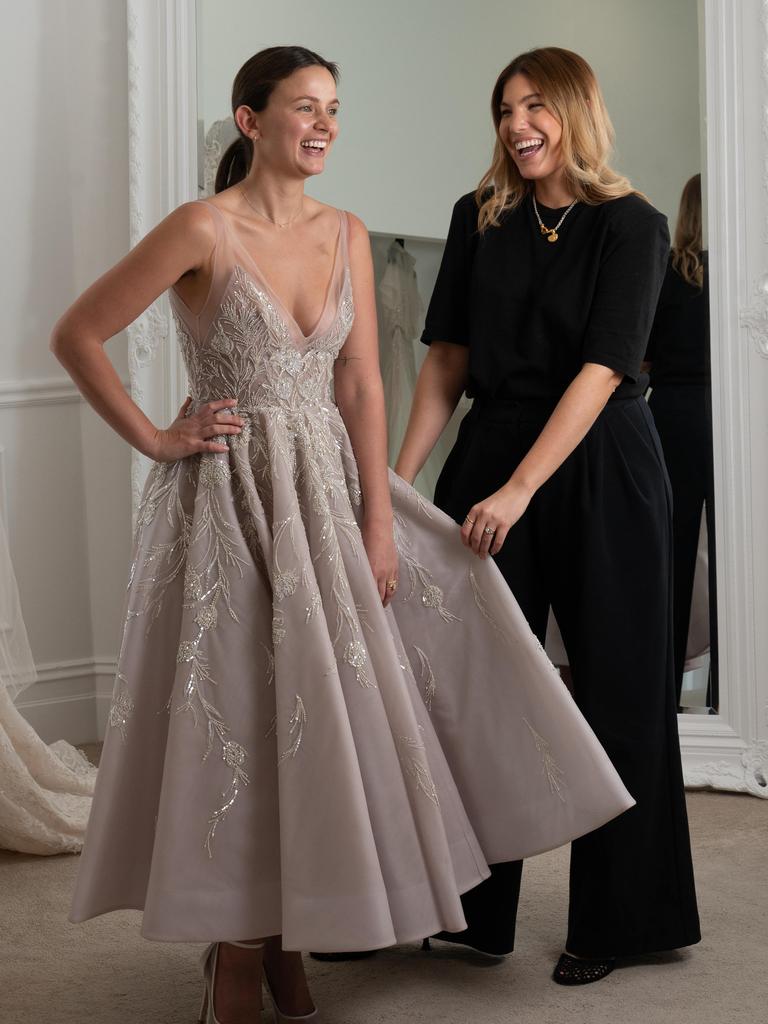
(595, 543)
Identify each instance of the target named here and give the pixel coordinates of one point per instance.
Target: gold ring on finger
(468, 520)
(391, 584)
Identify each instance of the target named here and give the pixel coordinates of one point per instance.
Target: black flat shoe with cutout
(572, 970)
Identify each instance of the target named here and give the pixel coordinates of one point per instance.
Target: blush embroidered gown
(285, 756)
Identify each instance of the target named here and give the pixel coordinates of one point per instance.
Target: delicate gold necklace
(277, 223)
(551, 233)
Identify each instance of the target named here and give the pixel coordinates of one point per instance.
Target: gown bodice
(245, 344)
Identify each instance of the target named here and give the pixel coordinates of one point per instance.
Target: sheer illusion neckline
(264, 280)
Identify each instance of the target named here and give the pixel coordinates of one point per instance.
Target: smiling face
(295, 132)
(530, 133)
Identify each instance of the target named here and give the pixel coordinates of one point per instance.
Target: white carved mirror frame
(728, 750)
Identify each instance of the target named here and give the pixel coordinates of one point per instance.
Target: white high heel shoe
(208, 963)
(284, 1018)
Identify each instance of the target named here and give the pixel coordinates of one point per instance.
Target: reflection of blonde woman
(678, 354)
(541, 310)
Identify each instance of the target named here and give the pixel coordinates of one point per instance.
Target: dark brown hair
(253, 85)
(686, 247)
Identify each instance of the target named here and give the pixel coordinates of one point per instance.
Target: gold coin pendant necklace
(551, 233)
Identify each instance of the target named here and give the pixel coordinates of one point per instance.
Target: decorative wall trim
(38, 391)
(755, 317)
(747, 773)
(58, 671)
(70, 699)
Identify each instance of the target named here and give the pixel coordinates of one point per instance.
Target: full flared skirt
(285, 756)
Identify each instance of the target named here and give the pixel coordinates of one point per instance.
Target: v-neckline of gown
(273, 294)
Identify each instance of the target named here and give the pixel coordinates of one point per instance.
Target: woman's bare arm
(568, 425)
(442, 379)
(360, 398)
(574, 414)
(180, 244)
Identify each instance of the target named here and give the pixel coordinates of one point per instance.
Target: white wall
(64, 178)
(416, 83)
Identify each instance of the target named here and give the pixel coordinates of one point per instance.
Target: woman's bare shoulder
(357, 229)
(193, 224)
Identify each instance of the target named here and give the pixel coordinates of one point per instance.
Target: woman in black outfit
(678, 356)
(541, 312)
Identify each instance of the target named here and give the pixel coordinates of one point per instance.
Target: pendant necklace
(551, 233)
(277, 223)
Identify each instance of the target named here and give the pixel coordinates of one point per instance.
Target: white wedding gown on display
(45, 790)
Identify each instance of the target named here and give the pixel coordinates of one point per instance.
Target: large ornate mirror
(416, 134)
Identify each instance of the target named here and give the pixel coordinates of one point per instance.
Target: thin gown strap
(341, 265)
(199, 323)
(220, 224)
(344, 242)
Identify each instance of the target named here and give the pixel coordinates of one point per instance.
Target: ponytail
(234, 164)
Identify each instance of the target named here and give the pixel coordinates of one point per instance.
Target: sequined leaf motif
(419, 575)
(234, 757)
(326, 488)
(284, 582)
(296, 725)
(413, 759)
(270, 677)
(554, 773)
(422, 505)
(157, 566)
(219, 536)
(122, 707)
(198, 705)
(279, 631)
(427, 678)
(356, 655)
(482, 604)
(314, 606)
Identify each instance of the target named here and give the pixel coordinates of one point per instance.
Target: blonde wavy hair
(569, 90)
(686, 247)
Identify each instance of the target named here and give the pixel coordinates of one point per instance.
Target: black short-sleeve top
(678, 347)
(532, 312)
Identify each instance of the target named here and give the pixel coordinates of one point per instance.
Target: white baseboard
(70, 700)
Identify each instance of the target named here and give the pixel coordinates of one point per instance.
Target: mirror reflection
(678, 361)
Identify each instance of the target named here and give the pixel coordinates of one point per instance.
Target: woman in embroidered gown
(302, 755)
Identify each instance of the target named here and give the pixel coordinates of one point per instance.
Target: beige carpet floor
(102, 972)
